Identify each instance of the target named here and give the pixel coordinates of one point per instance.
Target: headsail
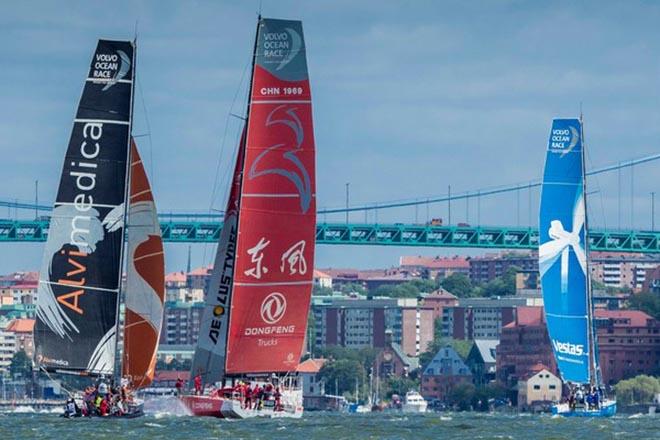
(145, 279)
(210, 353)
(563, 251)
(81, 268)
(277, 220)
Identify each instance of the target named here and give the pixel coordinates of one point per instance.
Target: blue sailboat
(563, 264)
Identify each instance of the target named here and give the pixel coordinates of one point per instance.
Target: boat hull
(607, 409)
(226, 408)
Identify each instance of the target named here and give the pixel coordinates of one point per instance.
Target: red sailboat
(254, 324)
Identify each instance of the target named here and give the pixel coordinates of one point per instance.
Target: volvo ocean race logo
(563, 140)
(273, 308)
(568, 348)
(111, 67)
(281, 47)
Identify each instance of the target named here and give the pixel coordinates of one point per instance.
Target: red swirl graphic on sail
(145, 280)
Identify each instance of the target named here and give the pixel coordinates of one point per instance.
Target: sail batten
(80, 274)
(563, 252)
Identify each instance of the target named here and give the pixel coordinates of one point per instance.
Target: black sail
(80, 277)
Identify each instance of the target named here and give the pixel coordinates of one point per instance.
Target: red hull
(204, 406)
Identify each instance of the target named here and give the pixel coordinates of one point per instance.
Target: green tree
(639, 389)
(321, 290)
(403, 290)
(342, 374)
(399, 385)
(353, 288)
(646, 302)
(21, 366)
(462, 396)
(458, 284)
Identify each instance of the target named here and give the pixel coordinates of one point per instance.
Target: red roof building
(438, 300)
(524, 343)
(24, 332)
(435, 267)
(628, 342)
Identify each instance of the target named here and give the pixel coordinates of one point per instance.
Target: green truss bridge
(484, 237)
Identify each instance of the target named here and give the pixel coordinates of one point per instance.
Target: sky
(408, 97)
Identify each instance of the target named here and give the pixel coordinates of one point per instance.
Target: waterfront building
(176, 287)
(322, 279)
(181, 322)
(434, 267)
(490, 266)
(393, 361)
(481, 318)
(523, 343)
(181, 353)
(482, 360)
(628, 343)
(443, 373)
(438, 300)
(23, 330)
(312, 384)
(7, 347)
(358, 322)
(622, 270)
(538, 388)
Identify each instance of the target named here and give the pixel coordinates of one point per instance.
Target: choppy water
(332, 426)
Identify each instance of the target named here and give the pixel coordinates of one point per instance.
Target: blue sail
(562, 251)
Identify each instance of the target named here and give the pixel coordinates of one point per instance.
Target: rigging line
(219, 161)
(148, 134)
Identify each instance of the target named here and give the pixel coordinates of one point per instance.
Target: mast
(593, 361)
(127, 190)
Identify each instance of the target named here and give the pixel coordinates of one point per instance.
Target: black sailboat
(78, 298)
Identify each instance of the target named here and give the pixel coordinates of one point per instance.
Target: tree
(646, 302)
(639, 389)
(458, 284)
(462, 396)
(318, 290)
(21, 366)
(349, 288)
(342, 374)
(399, 385)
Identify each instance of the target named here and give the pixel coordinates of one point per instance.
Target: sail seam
(147, 256)
(79, 287)
(282, 283)
(101, 121)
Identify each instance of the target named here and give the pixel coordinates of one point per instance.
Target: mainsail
(265, 260)
(145, 279)
(563, 252)
(81, 269)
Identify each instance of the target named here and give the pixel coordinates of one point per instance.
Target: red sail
(145, 279)
(277, 219)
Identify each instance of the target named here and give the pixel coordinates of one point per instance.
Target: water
(332, 426)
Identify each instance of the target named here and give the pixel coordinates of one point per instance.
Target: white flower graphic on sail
(560, 243)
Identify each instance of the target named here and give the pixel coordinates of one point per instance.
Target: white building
(538, 387)
(322, 279)
(7, 347)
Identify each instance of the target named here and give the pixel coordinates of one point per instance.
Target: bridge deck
(485, 237)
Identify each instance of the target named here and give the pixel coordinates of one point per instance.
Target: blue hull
(607, 410)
